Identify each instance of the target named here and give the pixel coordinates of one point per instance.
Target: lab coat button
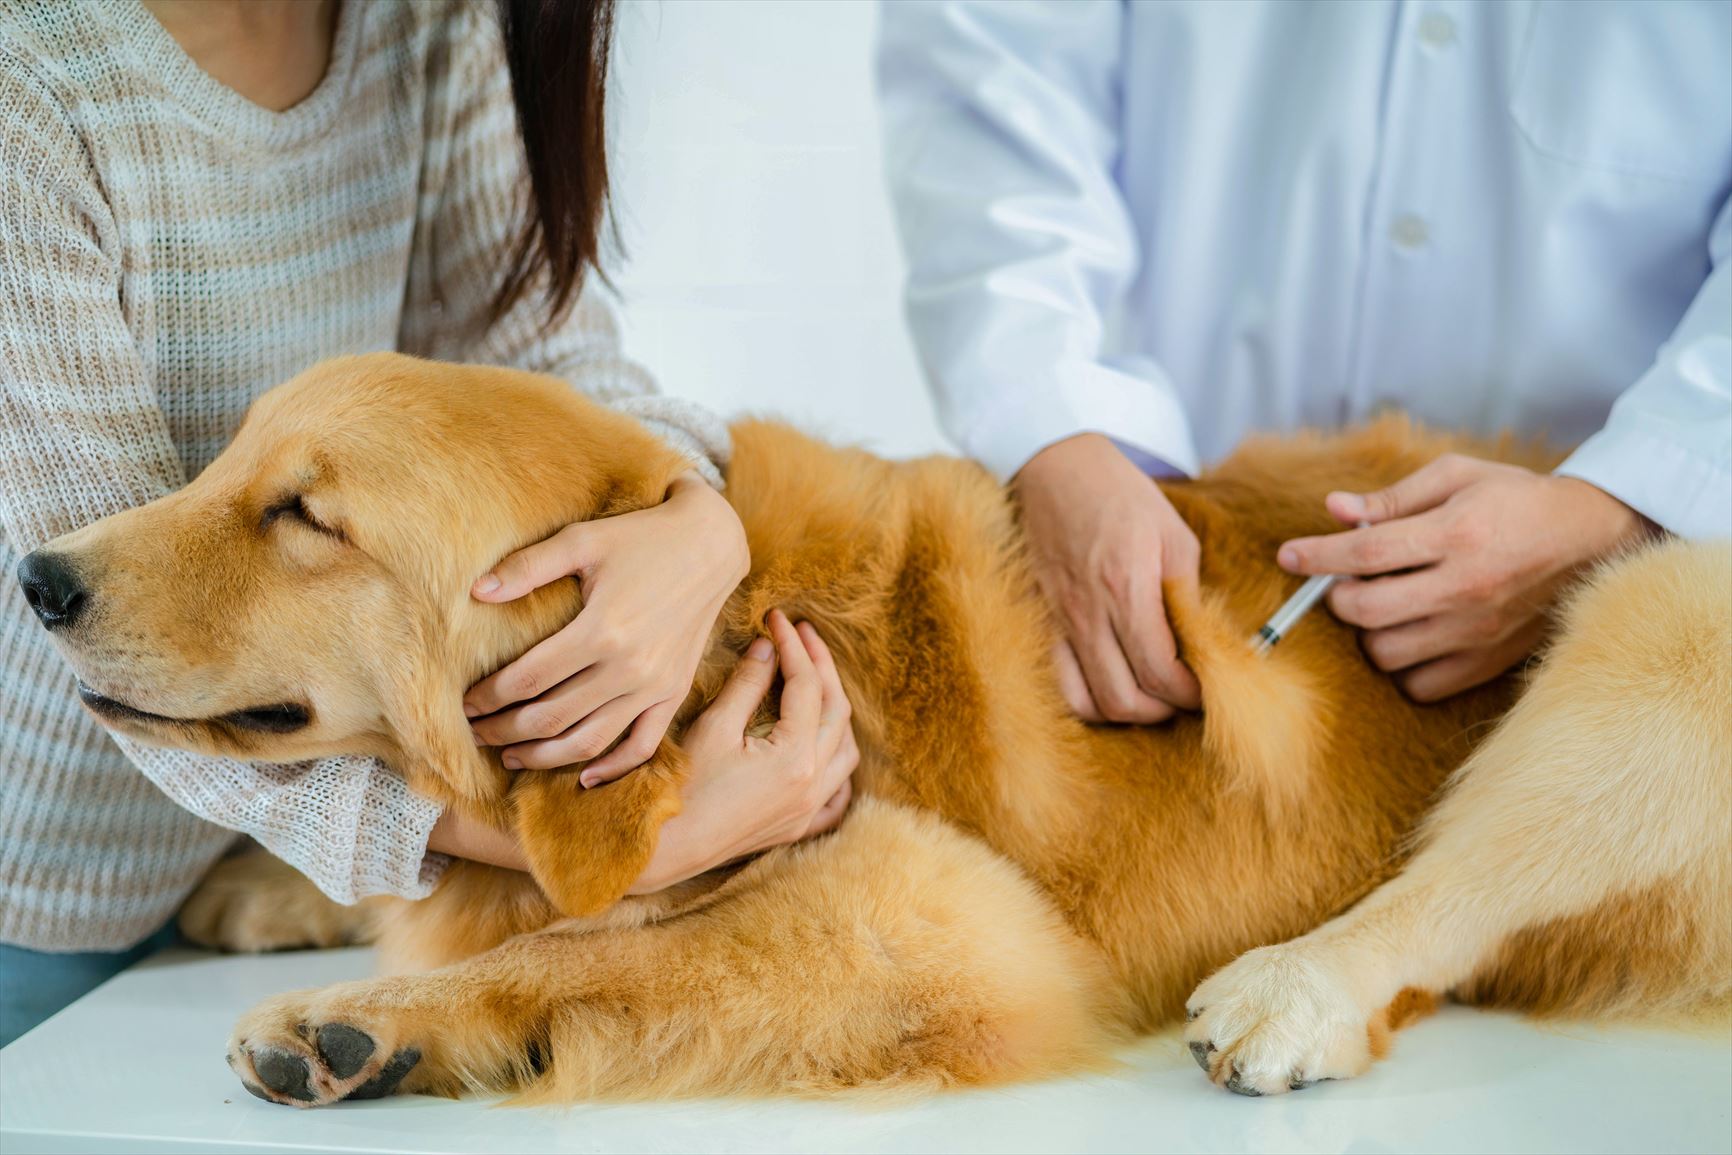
(1409, 232)
(1436, 31)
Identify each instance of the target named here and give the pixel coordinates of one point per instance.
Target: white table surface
(137, 1066)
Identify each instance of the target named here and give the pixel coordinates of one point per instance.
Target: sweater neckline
(221, 107)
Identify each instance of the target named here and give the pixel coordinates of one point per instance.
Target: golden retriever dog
(1013, 893)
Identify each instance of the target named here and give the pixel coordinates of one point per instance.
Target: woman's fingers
(547, 716)
(744, 691)
(802, 695)
(549, 663)
(635, 750)
(566, 553)
(588, 739)
(835, 713)
(829, 816)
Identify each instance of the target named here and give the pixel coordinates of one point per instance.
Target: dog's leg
(1612, 776)
(894, 952)
(252, 901)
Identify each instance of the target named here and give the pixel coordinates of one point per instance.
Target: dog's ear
(587, 846)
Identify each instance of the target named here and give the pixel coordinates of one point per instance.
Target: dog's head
(308, 594)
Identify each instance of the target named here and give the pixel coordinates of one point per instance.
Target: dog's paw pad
(283, 1073)
(391, 1074)
(344, 1049)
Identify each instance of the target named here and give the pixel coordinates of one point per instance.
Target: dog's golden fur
(1013, 892)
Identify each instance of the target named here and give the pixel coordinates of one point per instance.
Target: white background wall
(763, 272)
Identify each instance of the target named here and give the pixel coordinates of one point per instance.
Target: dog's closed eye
(294, 508)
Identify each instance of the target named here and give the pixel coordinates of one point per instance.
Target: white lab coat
(1176, 223)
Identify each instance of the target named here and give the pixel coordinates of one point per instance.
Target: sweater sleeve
(471, 196)
(82, 436)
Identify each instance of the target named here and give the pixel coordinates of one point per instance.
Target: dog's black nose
(52, 588)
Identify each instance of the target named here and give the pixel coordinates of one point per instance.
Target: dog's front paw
(1277, 1019)
(251, 902)
(307, 1049)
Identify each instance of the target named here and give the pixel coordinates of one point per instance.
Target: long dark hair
(557, 51)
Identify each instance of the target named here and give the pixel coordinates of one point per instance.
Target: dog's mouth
(278, 718)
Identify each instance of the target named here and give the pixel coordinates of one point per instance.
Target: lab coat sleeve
(1666, 449)
(1001, 137)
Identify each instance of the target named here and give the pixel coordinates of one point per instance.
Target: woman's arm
(82, 436)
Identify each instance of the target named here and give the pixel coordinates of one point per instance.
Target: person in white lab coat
(1137, 231)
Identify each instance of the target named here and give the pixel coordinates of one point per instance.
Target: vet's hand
(1103, 537)
(653, 583)
(748, 794)
(1459, 566)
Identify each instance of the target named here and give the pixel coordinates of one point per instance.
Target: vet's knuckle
(1370, 554)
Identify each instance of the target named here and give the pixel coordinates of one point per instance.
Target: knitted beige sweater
(168, 251)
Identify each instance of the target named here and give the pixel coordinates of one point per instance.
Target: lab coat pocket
(1640, 88)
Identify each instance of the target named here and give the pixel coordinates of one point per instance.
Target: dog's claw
(1201, 1051)
(1239, 1088)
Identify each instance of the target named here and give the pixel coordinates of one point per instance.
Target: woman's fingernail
(512, 762)
(586, 780)
(759, 650)
(471, 711)
(1287, 558)
(479, 740)
(486, 584)
(1351, 504)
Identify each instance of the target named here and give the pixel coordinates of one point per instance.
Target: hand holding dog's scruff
(1461, 561)
(1103, 538)
(744, 794)
(653, 583)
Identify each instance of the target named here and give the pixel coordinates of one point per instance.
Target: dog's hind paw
(286, 1053)
(1277, 1020)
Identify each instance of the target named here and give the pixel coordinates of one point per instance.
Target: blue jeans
(34, 984)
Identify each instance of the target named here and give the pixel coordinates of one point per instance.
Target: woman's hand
(748, 794)
(744, 794)
(653, 583)
(1460, 565)
(1103, 536)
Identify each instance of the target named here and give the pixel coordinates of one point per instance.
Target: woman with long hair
(197, 201)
